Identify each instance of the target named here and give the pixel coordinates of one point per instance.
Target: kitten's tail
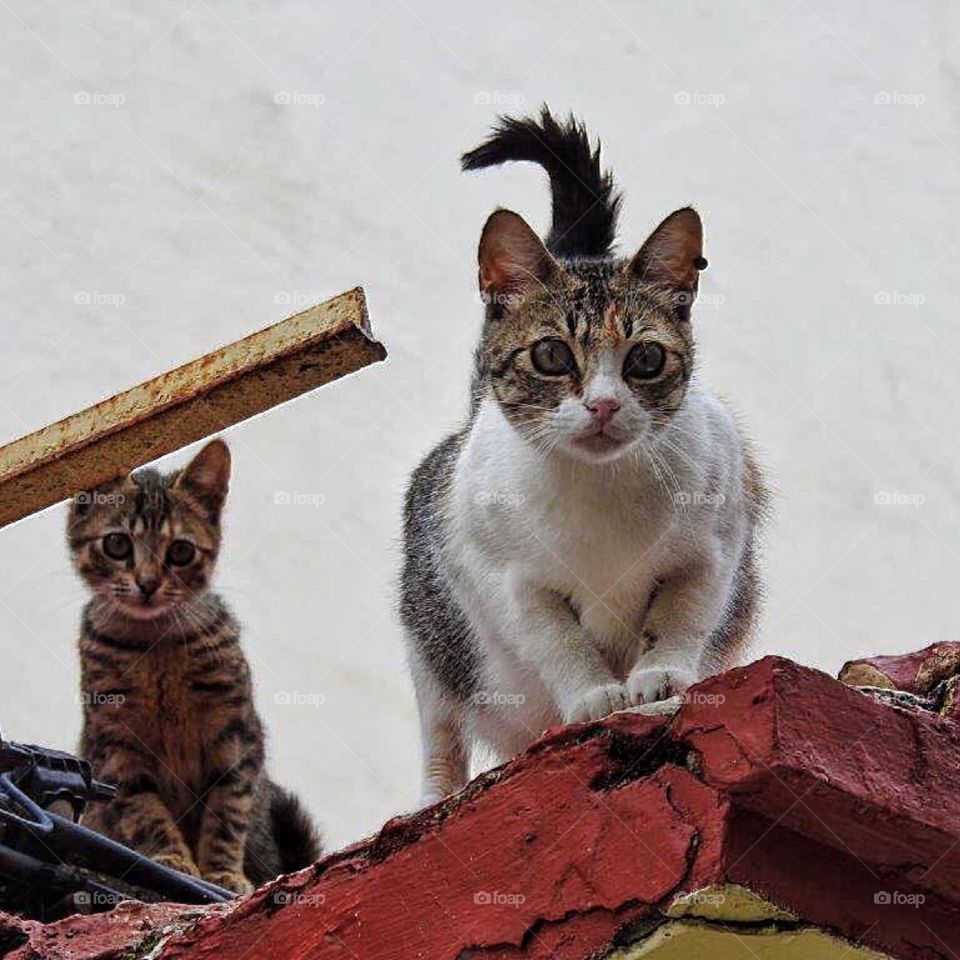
(298, 844)
(585, 205)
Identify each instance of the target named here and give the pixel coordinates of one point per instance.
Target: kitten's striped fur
(166, 689)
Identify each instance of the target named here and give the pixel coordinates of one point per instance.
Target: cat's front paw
(652, 684)
(235, 882)
(598, 703)
(176, 861)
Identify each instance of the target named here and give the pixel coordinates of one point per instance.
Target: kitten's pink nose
(603, 409)
(148, 586)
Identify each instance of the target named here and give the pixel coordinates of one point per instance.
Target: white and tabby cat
(586, 541)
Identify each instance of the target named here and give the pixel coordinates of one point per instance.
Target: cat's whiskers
(653, 466)
(536, 435)
(101, 611)
(675, 428)
(674, 491)
(187, 618)
(673, 448)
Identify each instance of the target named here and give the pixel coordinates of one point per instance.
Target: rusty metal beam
(186, 404)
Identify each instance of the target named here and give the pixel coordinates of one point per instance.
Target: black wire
(42, 823)
(64, 837)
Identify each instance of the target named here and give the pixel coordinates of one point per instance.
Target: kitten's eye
(645, 361)
(553, 358)
(117, 546)
(180, 553)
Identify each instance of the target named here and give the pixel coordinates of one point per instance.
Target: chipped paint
(728, 901)
(685, 940)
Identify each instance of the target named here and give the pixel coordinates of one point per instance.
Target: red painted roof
(776, 777)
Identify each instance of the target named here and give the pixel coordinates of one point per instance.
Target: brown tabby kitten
(168, 712)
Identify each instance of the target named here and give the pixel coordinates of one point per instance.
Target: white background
(820, 143)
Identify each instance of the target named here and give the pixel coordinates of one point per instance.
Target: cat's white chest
(604, 555)
(580, 534)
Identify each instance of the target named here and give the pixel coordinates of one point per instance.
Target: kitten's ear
(206, 477)
(79, 506)
(512, 257)
(673, 253)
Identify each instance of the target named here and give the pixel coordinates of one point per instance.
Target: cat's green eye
(180, 553)
(644, 362)
(117, 546)
(552, 358)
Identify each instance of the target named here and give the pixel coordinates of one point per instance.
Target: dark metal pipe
(106, 856)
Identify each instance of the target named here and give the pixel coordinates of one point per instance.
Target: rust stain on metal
(186, 404)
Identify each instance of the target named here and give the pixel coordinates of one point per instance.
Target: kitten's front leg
(546, 633)
(138, 817)
(685, 611)
(226, 817)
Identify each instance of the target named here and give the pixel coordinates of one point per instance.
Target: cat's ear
(512, 258)
(79, 509)
(206, 478)
(673, 253)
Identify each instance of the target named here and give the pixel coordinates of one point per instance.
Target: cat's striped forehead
(142, 502)
(147, 504)
(593, 304)
(599, 305)
(150, 503)
(604, 307)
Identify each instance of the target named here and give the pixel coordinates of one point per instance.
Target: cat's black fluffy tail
(281, 837)
(585, 206)
(298, 843)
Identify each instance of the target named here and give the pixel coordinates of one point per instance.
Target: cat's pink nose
(604, 409)
(148, 586)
